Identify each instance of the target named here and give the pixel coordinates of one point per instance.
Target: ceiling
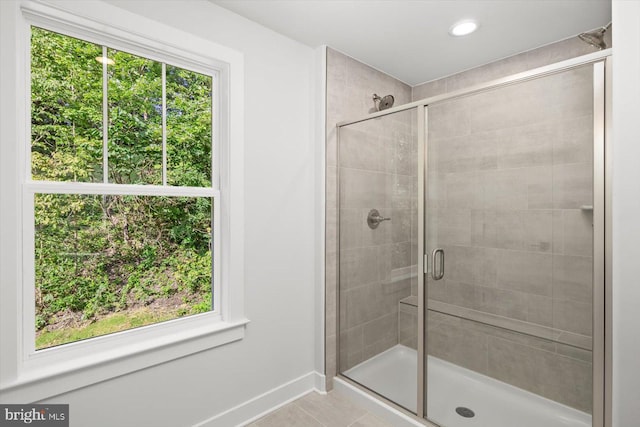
(409, 39)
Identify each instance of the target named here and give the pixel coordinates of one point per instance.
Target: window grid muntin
(105, 118)
(164, 124)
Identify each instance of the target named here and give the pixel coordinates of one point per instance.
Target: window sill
(41, 378)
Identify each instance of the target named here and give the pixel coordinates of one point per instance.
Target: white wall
(279, 236)
(626, 213)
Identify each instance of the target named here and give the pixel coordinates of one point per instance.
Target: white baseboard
(321, 383)
(269, 401)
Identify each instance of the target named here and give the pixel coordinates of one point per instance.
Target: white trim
(164, 124)
(27, 326)
(174, 47)
(105, 119)
(321, 383)
(29, 376)
(264, 403)
(215, 258)
(218, 121)
(51, 187)
(319, 98)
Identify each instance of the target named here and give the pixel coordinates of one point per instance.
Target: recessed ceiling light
(463, 28)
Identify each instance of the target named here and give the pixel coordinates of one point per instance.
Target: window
(109, 256)
(122, 187)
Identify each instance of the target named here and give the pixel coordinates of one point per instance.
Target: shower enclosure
(472, 251)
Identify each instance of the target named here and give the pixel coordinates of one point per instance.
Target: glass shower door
(509, 238)
(377, 171)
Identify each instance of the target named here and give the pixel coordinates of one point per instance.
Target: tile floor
(317, 410)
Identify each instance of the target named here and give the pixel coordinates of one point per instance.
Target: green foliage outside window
(105, 263)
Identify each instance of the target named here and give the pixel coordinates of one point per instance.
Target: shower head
(596, 37)
(384, 102)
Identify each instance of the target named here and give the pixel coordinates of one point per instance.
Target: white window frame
(42, 373)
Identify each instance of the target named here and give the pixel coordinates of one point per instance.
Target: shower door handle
(434, 256)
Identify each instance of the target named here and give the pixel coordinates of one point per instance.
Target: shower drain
(465, 412)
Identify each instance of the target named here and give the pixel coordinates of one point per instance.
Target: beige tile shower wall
(350, 86)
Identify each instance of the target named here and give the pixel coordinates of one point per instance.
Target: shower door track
(601, 359)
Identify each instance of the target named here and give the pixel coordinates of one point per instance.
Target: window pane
(135, 119)
(109, 263)
(188, 128)
(66, 108)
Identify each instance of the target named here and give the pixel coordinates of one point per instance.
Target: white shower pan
(393, 374)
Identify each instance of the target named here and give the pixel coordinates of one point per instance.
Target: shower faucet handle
(374, 219)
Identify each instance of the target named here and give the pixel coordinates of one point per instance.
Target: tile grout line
(310, 414)
(355, 421)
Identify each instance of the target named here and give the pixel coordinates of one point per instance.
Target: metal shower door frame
(601, 356)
